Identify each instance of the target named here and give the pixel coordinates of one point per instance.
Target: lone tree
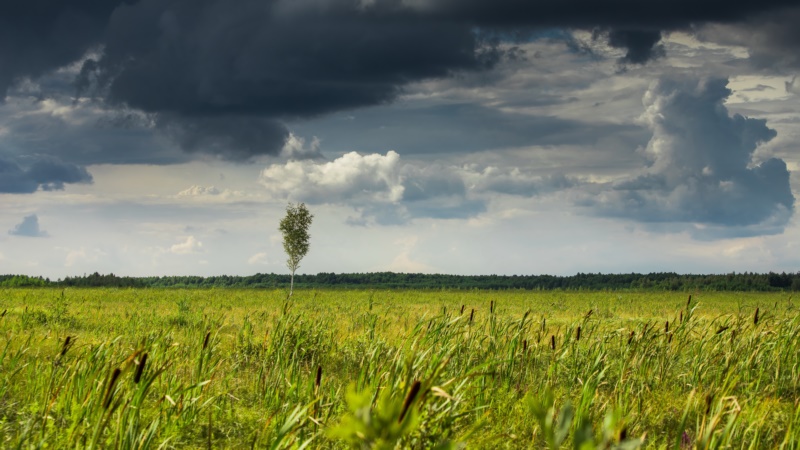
(294, 228)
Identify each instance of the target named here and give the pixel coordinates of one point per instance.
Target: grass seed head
(755, 317)
(553, 341)
(139, 369)
(110, 388)
(65, 347)
(412, 394)
(578, 334)
(205, 341)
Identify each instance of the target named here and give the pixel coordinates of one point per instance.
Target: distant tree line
(664, 281)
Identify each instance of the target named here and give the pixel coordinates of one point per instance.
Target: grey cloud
(29, 227)
(793, 87)
(517, 182)
(759, 88)
(458, 128)
(47, 173)
(84, 135)
(702, 169)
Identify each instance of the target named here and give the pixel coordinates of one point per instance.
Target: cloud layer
(224, 81)
(702, 168)
(385, 189)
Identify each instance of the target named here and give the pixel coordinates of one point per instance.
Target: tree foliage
(294, 227)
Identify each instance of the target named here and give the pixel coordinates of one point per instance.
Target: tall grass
(355, 369)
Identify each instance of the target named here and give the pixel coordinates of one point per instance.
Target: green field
(149, 368)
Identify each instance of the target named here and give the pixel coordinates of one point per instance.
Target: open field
(98, 368)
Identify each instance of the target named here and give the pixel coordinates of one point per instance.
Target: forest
(663, 281)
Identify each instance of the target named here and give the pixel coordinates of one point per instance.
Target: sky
(166, 137)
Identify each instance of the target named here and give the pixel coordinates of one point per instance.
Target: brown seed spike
(205, 341)
(65, 347)
(630, 338)
(491, 307)
(681, 319)
(525, 346)
(412, 394)
(689, 302)
(462, 309)
(318, 380)
(755, 318)
(471, 315)
(110, 389)
(666, 327)
(553, 341)
(139, 369)
(578, 334)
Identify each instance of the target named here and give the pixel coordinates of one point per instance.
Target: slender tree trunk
(291, 285)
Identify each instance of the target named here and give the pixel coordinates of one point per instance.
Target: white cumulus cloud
(190, 245)
(353, 176)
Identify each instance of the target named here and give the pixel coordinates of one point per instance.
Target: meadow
(150, 368)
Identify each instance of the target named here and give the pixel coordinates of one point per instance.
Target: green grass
(99, 368)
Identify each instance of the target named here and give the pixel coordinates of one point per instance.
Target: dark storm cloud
(29, 227)
(216, 76)
(772, 38)
(47, 173)
(641, 45)
(235, 138)
(37, 36)
(633, 25)
(702, 169)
